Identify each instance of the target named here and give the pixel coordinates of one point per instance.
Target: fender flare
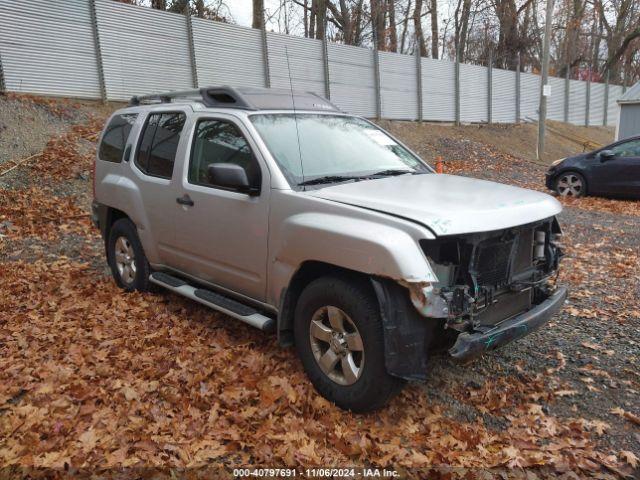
(408, 336)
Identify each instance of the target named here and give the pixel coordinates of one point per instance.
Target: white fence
(110, 50)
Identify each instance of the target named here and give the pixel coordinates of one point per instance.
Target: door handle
(185, 200)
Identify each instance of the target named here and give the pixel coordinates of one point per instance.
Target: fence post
(3, 85)
(98, 50)
(588, 103)
(457, 85)
(419, 80)
(490, 88)
(518, 90)
(606, 100)
(192, 47)
(265, 56)
(327, 75)
(567, 94)
(376, 75)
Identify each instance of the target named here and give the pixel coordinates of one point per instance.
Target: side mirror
(230, 175)
(607, 155)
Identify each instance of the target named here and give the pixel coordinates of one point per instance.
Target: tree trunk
(377, 23)
(434, 29)
(200, 8)
(258, 14)
(393, 32)
(321, 18)
(417, 26)
(159, 4)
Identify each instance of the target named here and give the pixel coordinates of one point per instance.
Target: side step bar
(214, 300)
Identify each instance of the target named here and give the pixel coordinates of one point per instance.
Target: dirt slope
(432, 139)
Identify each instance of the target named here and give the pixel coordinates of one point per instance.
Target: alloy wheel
(125, 260)
(570, 185)
(337, 345)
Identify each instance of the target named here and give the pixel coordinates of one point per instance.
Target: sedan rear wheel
(571, 184)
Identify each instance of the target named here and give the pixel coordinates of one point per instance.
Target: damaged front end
(493, 287)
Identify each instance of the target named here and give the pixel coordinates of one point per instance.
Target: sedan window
(627, 149)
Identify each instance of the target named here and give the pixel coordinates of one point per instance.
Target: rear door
(221, 235)
(153, 166)
(620, 175)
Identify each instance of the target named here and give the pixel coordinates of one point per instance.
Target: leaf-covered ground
(93, 378)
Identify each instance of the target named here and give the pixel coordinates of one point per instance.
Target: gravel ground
(588, 355)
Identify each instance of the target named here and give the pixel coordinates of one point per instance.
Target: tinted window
(160, 138)
(115, 137)
(217, 141)
(628, 149)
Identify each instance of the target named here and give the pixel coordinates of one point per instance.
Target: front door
(620, 175)
(221, 234)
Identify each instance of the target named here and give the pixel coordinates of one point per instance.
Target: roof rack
(246, 98)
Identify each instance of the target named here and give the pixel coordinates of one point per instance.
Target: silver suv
(279, 210)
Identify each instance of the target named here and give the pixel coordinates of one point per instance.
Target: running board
(214, 300)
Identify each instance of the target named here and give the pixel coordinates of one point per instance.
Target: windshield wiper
(328, 179)
(391, 172)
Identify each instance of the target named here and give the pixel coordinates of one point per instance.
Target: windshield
(332, 147)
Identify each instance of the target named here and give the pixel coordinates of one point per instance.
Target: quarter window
(219, 141)
(115, 137)
(159, 143)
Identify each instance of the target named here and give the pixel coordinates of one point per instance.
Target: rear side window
(159, 143)
(115, 137)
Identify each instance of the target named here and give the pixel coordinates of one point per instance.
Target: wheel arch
(307, 272)
(408, 336)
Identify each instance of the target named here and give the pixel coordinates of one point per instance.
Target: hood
(447, 204)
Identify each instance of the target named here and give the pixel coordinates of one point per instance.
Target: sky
(242, 11)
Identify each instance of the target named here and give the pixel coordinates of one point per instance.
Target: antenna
(295, 114)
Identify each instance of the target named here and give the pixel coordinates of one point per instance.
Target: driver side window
(220, 141)
(627, 149)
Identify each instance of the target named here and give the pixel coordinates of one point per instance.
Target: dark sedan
(612, 171)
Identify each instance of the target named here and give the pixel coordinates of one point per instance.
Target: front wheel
(339, 338)
(571, 184)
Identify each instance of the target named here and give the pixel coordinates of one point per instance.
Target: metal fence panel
(47, 48)
(306, 63)
(555, 103)
(596, 104)
(228, 54)
(352, 79)
(530, 96)
(577, 101)
(398, 86)
(143, 50)
(504, 96)
(615, 92)
(473, 93)
(438, 90)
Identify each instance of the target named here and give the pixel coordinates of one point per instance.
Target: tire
(352, 303)
(123, 238)
(570, 184)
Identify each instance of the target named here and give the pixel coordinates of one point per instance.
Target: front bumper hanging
(472, 345)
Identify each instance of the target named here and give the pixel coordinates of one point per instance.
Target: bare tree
(433, 10)
(417, 26)
(258, 14)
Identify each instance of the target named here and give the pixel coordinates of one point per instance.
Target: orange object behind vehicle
(439, 165)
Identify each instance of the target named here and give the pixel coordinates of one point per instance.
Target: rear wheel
(128, 263)
(571, 184)
(339, 338)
